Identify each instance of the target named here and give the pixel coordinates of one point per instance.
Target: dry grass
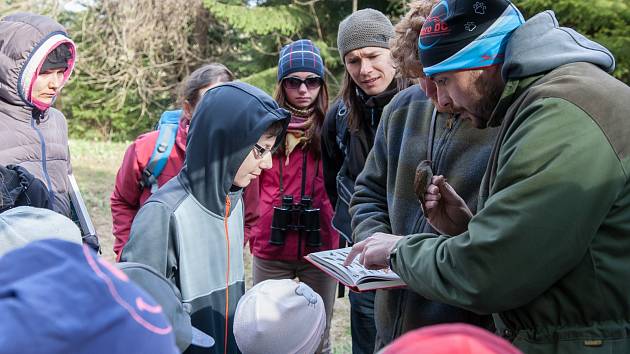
(95, 165)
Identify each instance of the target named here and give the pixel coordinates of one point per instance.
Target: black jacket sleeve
(21, 188)
(36, 196)
(332, 156)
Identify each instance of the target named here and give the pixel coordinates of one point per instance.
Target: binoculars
(301, 217)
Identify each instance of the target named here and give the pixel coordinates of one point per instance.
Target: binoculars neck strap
(303, 186)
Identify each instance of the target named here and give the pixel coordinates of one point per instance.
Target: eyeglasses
(260, 152)
(294, 83)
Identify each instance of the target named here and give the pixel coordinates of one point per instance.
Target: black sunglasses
(294, 83)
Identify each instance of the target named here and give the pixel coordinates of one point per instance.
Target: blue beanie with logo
(300, 56)
(466, 34)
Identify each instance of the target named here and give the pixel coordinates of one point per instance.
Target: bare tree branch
(142, 49)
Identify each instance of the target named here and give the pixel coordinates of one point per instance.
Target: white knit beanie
(279, 316)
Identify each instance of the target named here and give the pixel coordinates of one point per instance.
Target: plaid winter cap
(466, 34)
(300, 56)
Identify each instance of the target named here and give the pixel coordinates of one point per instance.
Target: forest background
(134, 53)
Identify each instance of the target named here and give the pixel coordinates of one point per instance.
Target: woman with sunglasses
(297, 176)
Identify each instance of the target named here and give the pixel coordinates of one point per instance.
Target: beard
(489, 87)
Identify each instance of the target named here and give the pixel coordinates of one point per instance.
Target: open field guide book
(355, 276)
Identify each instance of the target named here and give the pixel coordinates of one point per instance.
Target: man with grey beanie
(348, 135)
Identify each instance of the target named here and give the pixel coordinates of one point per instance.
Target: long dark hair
(354, 105)
(314, 133)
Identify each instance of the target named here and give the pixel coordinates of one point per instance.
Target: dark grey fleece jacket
(384, 200)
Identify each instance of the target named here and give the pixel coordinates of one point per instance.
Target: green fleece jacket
(549, 249)
(384, 198)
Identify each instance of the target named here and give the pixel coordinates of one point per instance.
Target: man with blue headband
(548, 250)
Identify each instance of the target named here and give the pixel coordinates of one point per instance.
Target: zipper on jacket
(228, 204)
(451, 128)
(35, 120)
(372, 113)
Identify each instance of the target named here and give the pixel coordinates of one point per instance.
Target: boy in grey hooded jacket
(191, 230)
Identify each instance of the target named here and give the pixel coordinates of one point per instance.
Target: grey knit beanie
(364, 28)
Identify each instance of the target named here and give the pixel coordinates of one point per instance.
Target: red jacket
(264, 192)
(127, 198)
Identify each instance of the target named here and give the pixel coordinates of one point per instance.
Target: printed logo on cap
(480, 8)
(470, 26)
(435, 27)
(379, 37)
(466, 34)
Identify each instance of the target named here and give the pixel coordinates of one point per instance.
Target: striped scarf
(301, 121)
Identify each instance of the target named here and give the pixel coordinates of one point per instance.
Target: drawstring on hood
(228, 205)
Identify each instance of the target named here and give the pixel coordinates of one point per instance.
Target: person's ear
(188, 110)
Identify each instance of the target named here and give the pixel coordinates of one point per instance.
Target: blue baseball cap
(60, 297)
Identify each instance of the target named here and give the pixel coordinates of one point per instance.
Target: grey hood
(226, 124)
(540, 45)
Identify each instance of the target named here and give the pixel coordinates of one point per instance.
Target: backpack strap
(345, 186)
(341, 125)
(169, 117)
(343, 138)
(167, 128)
(343, 134)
